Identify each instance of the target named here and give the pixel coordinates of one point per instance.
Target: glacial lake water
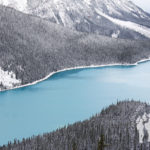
(68, 97)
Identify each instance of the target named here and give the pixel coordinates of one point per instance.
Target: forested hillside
(115, 128)
(31, 48)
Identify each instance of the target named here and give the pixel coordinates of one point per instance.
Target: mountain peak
(104, 17)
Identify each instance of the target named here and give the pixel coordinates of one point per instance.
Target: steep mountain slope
(125, 126)
(32, 48)
(114, 18)
(17, 4)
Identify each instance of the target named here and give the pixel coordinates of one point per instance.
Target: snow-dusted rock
(104, 17)
(20, 5)
(8, 79)
(143, 123)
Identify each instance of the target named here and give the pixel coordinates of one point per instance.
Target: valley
(63, 61)
(38, 48)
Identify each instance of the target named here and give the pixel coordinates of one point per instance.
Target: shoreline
(75, 68)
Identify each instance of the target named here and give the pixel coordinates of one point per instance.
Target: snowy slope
(20, 5)
(105, 17)
(128, 24)
(8, 79)
(143, 124)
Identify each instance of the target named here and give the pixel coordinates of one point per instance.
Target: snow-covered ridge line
(127, 24)
(81, 16)
(74, 68)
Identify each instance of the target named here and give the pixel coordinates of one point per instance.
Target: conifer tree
(74, 146)
(101, 143)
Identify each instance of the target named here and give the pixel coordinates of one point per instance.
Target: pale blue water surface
(68, 97)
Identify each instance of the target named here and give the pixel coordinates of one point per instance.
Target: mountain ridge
(84, 17)
(32, 48)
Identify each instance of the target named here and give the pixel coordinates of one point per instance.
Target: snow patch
(143, 123)
(87, 2)
(8, 79)
(20, 5)
(115, 34)
(147, 127)
(127, 24)
(140, 128)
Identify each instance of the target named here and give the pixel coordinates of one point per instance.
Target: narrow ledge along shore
(74, 68)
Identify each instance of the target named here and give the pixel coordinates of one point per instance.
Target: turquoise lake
(68, 97)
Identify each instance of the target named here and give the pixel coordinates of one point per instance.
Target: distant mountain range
(124, 126)
(113, 18)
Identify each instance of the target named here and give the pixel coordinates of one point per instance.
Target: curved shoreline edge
(74, 68)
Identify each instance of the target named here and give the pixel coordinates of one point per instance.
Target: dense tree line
(109, 130)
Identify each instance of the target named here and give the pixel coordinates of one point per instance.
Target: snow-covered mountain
(31, 48)
(17, 4)
(115, 18)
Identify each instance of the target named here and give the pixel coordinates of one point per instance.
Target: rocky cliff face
(114, 18)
